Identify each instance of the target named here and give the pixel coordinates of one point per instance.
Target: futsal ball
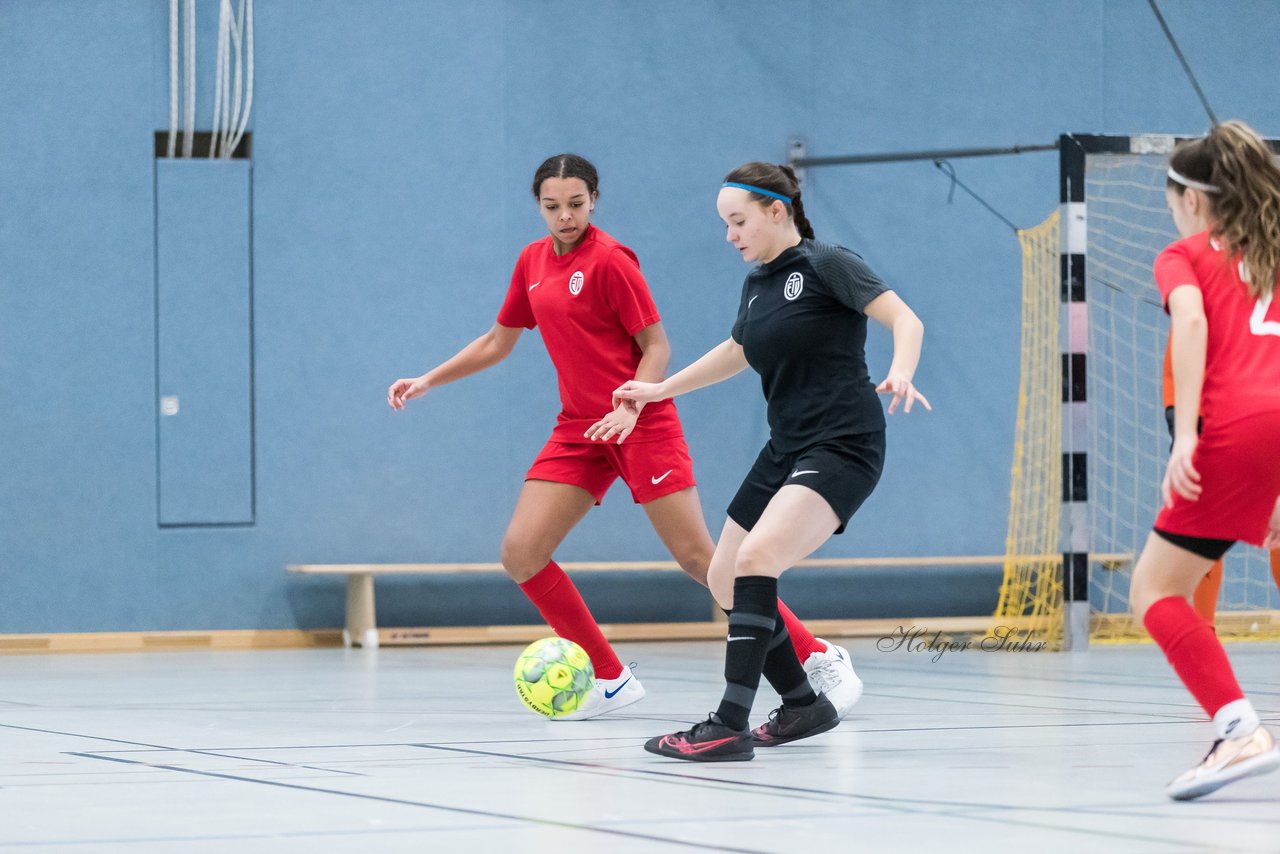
(553, 676)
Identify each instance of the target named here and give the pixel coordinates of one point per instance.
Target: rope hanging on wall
(189, 120)
(173, 77)
(233, 78)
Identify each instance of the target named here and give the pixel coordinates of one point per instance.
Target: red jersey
(1242, 362)
(590, 303)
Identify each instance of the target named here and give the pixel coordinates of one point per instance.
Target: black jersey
(802, 328)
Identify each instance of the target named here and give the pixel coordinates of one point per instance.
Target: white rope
(247, 19)
(224, 76)
(173, 77)
(189, 123)
(218, 92)
(228, 111)
(233, 108)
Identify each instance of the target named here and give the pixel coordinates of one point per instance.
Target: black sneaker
(790, 723)
(709, 741)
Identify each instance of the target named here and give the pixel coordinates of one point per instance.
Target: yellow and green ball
(553, 676)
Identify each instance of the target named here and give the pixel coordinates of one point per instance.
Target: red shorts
(1239, 467)
(650, 469)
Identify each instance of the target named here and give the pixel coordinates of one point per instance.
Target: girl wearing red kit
(1222, 485)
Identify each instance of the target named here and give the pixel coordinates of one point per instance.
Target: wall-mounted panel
(204, 379)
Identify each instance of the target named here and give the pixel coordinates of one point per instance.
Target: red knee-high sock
(1194, 651)
(561, 605)
(801, 638)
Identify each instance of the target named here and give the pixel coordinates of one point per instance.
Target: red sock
(1194, 651)
(801, 638)
(561, 605)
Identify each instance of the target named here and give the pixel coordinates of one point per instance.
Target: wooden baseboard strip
(139, 641)
(1244, 624)
(636, 632)
(443, 636)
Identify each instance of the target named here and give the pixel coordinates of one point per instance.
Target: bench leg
(362, 625)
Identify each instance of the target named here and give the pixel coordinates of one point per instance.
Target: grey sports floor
(428, 750)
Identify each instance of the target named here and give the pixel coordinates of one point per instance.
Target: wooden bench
(362, 625)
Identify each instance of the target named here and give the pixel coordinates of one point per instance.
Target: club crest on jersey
(575, 283)
(795, 284)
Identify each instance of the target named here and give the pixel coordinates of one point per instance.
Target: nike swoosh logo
(690, 749)
(807, 471)
(741, 637)
(609, 695)
(535, 284)
(753, 299)
(658, 480)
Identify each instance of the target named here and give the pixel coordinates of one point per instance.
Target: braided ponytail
(797, 206)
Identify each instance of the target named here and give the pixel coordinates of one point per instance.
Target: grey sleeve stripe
(798, 691)
(739, 695)
(759, 621)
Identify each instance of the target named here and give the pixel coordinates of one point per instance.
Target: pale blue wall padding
(393, 146)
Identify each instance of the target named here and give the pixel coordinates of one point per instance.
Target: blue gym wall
(393, 147)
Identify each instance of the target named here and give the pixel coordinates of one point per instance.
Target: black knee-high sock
(751, 626)
(784, 671)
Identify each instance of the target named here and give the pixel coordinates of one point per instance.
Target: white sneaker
(607, 695)
(1229, 759)
(831, 673)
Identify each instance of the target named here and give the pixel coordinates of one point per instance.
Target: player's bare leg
(545, 513)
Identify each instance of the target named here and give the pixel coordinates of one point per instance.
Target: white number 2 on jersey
(1258, 323)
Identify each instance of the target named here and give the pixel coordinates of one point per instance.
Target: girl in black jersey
(802, 326)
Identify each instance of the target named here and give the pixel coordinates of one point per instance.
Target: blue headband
(770, 193)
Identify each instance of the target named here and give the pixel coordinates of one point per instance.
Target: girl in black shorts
(802, 326)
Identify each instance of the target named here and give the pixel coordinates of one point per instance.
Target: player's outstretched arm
(484, 352)
(1189, 336)
(890, 311)
(720, 362)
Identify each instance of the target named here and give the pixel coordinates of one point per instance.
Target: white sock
(1236, 719)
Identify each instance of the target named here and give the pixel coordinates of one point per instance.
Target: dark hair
(566, 166)
(1245, 207)
(776, 178)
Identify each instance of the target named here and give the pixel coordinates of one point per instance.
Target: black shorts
(1205, 547)
(843, 471)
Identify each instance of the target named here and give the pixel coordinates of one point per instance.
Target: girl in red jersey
(601, 328)
(802, 325)
(1223, 485)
